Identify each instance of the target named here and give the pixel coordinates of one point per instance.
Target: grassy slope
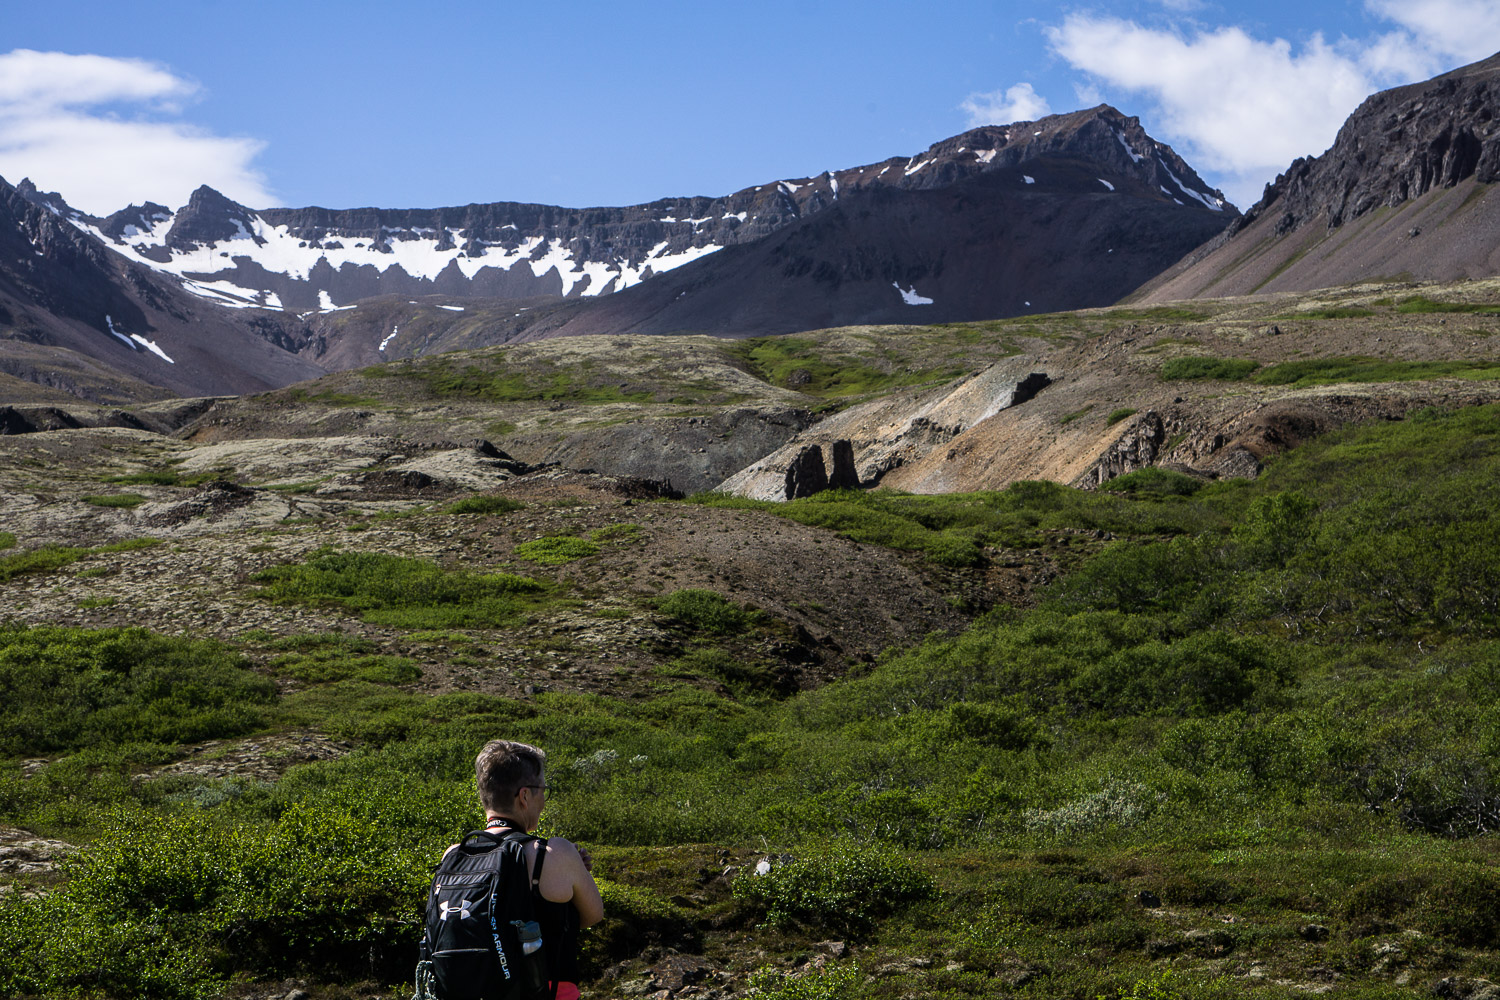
(1267, 707)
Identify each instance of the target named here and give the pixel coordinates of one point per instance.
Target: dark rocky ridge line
(623, 237)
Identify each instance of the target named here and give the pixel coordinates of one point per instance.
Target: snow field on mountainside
(277, 250)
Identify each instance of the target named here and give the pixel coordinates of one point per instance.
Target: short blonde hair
(502, 768)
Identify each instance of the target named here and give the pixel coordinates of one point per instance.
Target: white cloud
(61, 124)
(1241, 108)
(1020, 103)
(1462, 31)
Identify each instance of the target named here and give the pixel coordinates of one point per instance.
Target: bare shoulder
(561, 848)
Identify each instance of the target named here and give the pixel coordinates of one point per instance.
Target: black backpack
(481, 940)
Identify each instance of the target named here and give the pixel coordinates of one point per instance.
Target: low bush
(484, 505)
(66, 688)
(1154, 480)
(1115, 416)
(556, 550)
(116, 500)
(1225, 369)
(406, 593)
(845, 889)
(704, 611)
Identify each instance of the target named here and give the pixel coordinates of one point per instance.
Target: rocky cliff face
(1398, 145)
(1403, 190)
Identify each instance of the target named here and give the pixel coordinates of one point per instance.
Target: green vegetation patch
(1331, 312)
(954, 529)
(406, 593)
(66, 688)
(491, 377)
(1159, 314)
(1422, 304)
(808, 366)
(7, 540)
(842, 890)
(1152, 479)
(1328, 371)
(704, 611)
(1115, 416)
(1068, 418)
(116, 500)
(624, 533)
(1224, 369)
(555, 550)
(484, 505)
(50, 557)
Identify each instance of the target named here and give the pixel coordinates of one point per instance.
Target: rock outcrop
(868, 441)
(806, 475)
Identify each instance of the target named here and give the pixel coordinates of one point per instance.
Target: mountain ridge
(1405, 190)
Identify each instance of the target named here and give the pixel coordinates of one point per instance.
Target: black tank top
(559, 938)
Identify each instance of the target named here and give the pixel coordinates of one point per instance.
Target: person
(513, 791)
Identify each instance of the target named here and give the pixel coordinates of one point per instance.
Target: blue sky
(391, 104)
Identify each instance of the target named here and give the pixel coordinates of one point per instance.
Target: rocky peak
(50, 200)
(1110, 141)
(1399, 144)
(134, 219)
(209, 217)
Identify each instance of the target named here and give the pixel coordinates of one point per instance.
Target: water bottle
(530, 933)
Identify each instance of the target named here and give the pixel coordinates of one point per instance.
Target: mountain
(1405, 191)
(77, 317)
(1072, 210)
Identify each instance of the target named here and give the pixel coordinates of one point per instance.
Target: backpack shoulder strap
(536, 872)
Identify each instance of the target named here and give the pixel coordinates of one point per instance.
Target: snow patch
(736, 215)
(1134, 156)
(394, 330)
(453, 309)
(1028, 180)
(919, 166)
(123, 339)
(1208, 201)
(984, 155)
(910, 296)
(325, 303)
(1106, 183)
(789, 187)
(150, 345)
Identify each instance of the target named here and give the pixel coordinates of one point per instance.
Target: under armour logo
(462, 909)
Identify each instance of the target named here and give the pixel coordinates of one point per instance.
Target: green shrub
(623, 533)
(555, 550)
(844, 890)
(1115, 416)
(704, 611)
(64, 688)
(1226, 369)
(7, 540)
(836, 982)
(116, 500)
(406, 593)
(484, 505)
(1155, 480)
